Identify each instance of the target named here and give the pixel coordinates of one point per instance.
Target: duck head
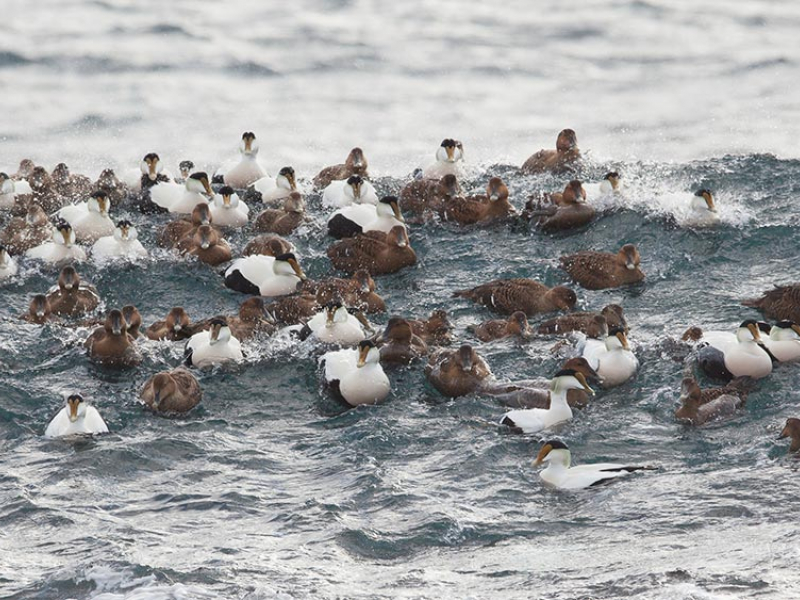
(151, 166)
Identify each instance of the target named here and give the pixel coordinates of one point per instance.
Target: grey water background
(269, 489)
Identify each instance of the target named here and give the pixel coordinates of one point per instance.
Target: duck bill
(292, 183)
(540, 458)
(582, 380)
(710, 203)
(397, 214)
(297, 270)
(226, 200)
(362, 356)
(248, 145)
(796, 328)
(623, 340)
(785, 433)
(152, 170)
(330, 313)
(450, 153)
(755, 332)
(116, 325)
(67, 235)
(157, 398)
(73, 411)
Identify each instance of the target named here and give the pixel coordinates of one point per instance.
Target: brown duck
(698, 407)
(283, 221)
(72, 298)
(177, 326)
(358, 291)
(507, 296)
(377, 252)
(29, 231)
(457, 373)
(564, 158)
(515, 326)
(173, 232)
(268, 244)
(567, 210)
(581, 321)
(781, 303)
(602, 270)
(423, 196)
(434, 331)
(492, 206)
(355, 164)
(172, 392)
(207, 245)
(792, 430)
(111, 345)
(134, 320)
(294, 309)
(115, 189)
(536, 393)
(399, 345)
(253, 318)
(39, 311)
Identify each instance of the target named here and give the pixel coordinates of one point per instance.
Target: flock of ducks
(62, 219)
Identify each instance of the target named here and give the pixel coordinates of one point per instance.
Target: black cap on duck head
(611, 175)
(124, 223)
(334, 304)
(355, 180)
(99, 194)
(615, 330)
(389, 200)
(218, 321)
(150, 156)
(62, 225)
(749, 322)
(227, 190)
(287, 256)
(702, 192)
(448, 143)
(199, 176)
(248, 135)
(366, 344)
(186, 165)
(286, 171)
(566, 373)
(4, 176)
(556, 445)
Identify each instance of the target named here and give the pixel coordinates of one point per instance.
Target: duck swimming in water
(353, 190)
(213, 347)
(7, 191)
(123, 245)
(602, 270)
(268, 245)
(359, 218)
(515, 326)
(569, 211)
(249, 170)
(172, 392)
(69, 185)
(424, 197)
(507, 296)
(449, 156)
(39, 311)
(792, 430)
(697, 410)
(265, 275)
(781, 302)
(89, 220)
(436, 330)
(8, 266)
(24, 233)
(76, 418)
(535, 393)
(356, 376)
(611, 184)
(72, 297)
(227, 210)
(560, 473)
(252, 319)
(177, 326)
(115, 190)
(399, 345)
(614, 361)
(377, 252)
(355, 164)
(783, 341)
(174, 231)
(182, 199)
(484, 208)
(723, 359)
(457, 373)
(274, 191)
(62, 249)
(134, 320)
(185, 168)
(582, 321)
(335, 325)
(283, 221)
(703, 211)
(207, 245)
(111, 345)
(564, 158)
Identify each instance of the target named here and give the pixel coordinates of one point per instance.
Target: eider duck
(355, 164)
(457, 373)
(360, 218)
(172, 392)
(23, 233)
(434, 331)
(68, 185)
(111, 345)
(150, 173)
(124, 244)
(611, 184)
(357, 291)
(569, 211)
(76, 418)
(492, 206)
(72, 298)
(177, 326)
(8, 266)
(61, 249)
(582, 321)
(515, 326)
(185, 168)
(353, 190)
(784, 341)
(115, 190)
(213, 347)
(249, 170)
(39, 311)
(559, 473)
(535, 393)
(399, 345)
(356, 376)
(283, 221)
(207, 245)
(532, 420)
(265, 275)
(276, 190)
(377, 252)
(696, 410)
(7, 191)
(295, 309)
(602, 270)
(781, 303)
(43, 191)
(133, 318)
(174, 231)
(24, 170)
(745, 356)
(89, 220)
(268, 245)
(448, 156)
(182, 199)
(227, 210)
(507, 296)
(252, 319)
(424, 197)
(564, 158)
(792, 430)
(335, 325)
(614, 361)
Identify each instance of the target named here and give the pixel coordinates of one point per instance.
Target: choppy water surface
(268, 489)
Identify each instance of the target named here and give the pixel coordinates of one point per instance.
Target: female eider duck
(8, 266)
(423, 197)
(252, 319)
(43, 191)
(356, 376)
(697, 410)
(560, 474)
(39, 311)
(89, 220)
(76, 418)
(177, 326)
(115, 190)
(515, 326)
(123, 245)
(213, 347)
(70, 185)
(172, 392)
(398, 343)
(449, 155)
(72, 297)
(792, 430)
(457, 373)
(359, 218)
(265, 275)
(564, 158)
(353, 190)
(355, 164)
(335, 325)
(283, 221)
(377, 252)
(743, 357)
(207, 245)
(249, 170)
(134, 320)
(273, 191)
(582, 321)
(570, 211)
(357, 291)
(436, 330)
(536, 419)
(111, 345)
(602, 270)
(488, 208)
(62, 249)
(23, 233)
(268, 244)
(228, 210)
(182, 199)
(174, 231)
(507, 296)
(535, 393)
(781, 302)
(614, 361)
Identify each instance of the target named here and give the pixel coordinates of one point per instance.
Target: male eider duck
(533, 420)
(743, 357)
(610, 184)
(23, 233)
(228, 210)
(792, 430)
(515, 326)
(507, 296)
(492, 206)
(252, 319)
(781, 302)
(356, 376)
(398, 343)
(353, 190)
(784, 341)
(564, 158)
(697, 410)
(76, 418)
(359, 218)
(213, 347)
(457, 373)
(335, 325)
(355, 164)
(123, 245)
(283, 221)
(111, 345)
(182, 199)
(7, 191)
(207, 245)
(89, 220)
(185, 168)
(149, 174)
(273, 191)
(377, 252)
(702, 210)
(177, 326)
(172, 392)
(8, 266)
(535, 393)
(582, 321)
(249, 170)
(265, 275)
(614, 361)
(560, 474)
(72, 297)
(449, 155)
(62, 249)
(602, 270)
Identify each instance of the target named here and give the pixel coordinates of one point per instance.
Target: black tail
(236, 281)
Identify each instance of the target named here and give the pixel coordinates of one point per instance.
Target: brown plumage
(25, 169)
(536, 393)
(457, 373)
(268, 244)
(377, 252)
(253, 318)
(485, 208)
(29, 231)
(177, 326)
(294, 309)
(781, 303)
(435, 331)
(567, 210)
(283, 221)
(207, 245)
(582, 321)
(174, 231)
(399, 345)
(355, 164)
(39, 311)
(111, 345)
(134, 320)
(515, 326)
(564, 158)
(601, 270)
(172, 392)
(428, 196)
(701, 406)
(70, 186)
(358, 291)
(72, 298)
(792, 430)
(116, 190)
(527, 295)
(44, 192)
